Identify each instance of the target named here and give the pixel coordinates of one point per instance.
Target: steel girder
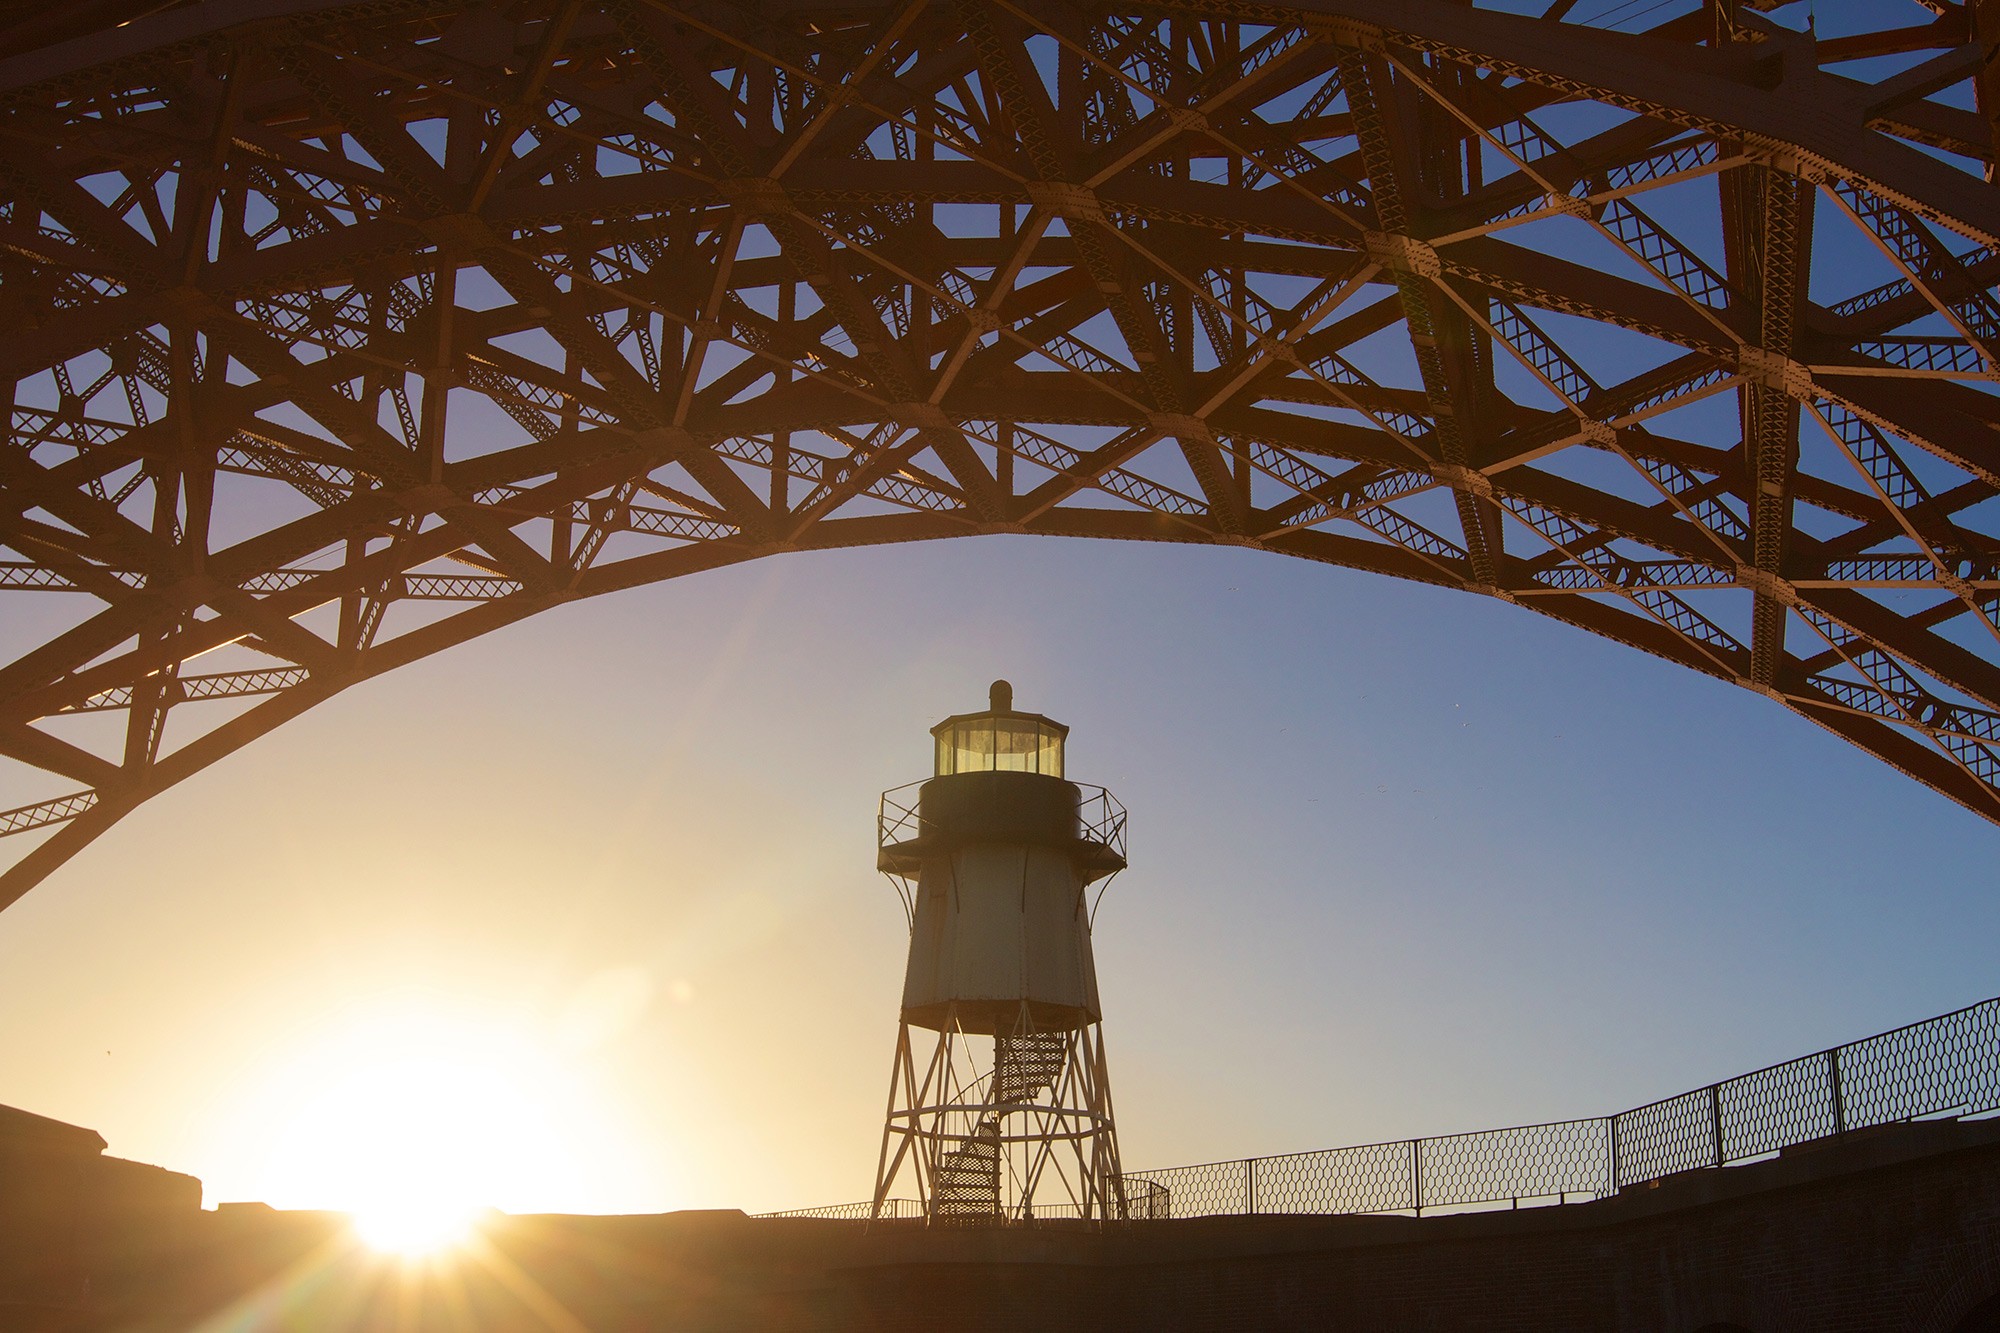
(340, 334)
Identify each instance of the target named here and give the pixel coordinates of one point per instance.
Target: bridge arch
(343, 333)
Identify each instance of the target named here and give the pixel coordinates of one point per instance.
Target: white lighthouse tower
(999, 1100)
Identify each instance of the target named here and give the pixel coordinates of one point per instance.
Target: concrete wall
(1896, 1229)
(70, 1217)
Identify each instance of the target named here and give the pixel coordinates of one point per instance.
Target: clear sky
(1404, 861)
(585, 911)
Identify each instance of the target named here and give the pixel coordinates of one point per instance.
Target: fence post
(1417, 1176)
(1612, 1121)
(1715, 1117)
(1249, 1184)
(1833, 1082)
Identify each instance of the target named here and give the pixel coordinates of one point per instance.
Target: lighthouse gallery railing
(1944, 1066)
(1100, 817)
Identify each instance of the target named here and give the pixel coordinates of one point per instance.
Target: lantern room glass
(996, 742)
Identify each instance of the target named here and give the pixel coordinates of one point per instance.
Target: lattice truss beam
(339, 338)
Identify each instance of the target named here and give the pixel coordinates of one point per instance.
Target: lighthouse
(999, 1094)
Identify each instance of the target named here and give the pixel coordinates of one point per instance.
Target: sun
(415, 1227)
(413, 1137)
(417, 1124)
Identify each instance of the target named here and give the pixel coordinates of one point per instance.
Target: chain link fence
(1944, 1066)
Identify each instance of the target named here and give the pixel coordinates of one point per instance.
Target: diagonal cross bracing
(1414, 286)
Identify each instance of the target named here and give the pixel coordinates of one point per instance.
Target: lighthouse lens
(1011, 745)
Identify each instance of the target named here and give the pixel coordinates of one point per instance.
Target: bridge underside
(340, 334)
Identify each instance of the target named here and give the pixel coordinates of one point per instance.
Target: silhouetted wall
(1895, 1229)
(72, 1218)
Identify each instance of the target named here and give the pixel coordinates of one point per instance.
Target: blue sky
(1404, 861)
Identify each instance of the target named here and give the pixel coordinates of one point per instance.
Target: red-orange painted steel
(774, 275)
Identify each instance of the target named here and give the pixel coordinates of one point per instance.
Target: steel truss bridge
(341, 333)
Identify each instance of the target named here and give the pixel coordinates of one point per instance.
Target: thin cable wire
(1603, 15)
(1649, 9)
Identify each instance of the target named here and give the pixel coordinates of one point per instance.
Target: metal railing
(893, 1210)
(1100, 817)
(1144, 1200)
(899, 819)
(1944, 1066)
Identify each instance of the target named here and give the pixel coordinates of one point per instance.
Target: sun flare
(414, 1227)
(416, 1123)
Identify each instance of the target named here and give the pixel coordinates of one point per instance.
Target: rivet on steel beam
(1769, 584)
(1463, 479)
(1776, 370)
(754, 194)
(1072, 201)
(1403, 253)
(1181, 425)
